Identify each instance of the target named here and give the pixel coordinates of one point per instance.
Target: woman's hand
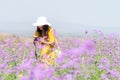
(45, 42)
(42, 41)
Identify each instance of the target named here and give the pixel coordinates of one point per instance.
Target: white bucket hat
(41, 21)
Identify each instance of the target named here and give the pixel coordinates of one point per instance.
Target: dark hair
(44, 31)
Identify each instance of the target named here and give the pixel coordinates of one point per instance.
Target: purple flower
(114, 73)
(8, 40)
(32, 53)
(69, 77)
(103, 76)
(3, 66)
(88, 46)
(24, 78)
(105, 64)
(38, 72)
(26, 64)
(76, 42)
(27, 44)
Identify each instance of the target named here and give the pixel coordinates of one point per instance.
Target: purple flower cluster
(87, 58)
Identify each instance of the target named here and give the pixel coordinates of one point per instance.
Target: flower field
(85, 57)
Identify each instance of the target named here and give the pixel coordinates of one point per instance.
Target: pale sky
(86, 12)
(102, 13)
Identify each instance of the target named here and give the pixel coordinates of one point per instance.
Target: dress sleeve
(51, 36)
(36, 34)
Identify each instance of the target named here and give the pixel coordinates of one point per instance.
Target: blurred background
(71, 17)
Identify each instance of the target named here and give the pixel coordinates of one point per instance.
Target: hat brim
(41, 24)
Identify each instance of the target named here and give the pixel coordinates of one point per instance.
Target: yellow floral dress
(47, 53)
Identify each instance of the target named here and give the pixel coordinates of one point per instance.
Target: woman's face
(41, 27)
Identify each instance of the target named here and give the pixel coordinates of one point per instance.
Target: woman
(47, 39)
